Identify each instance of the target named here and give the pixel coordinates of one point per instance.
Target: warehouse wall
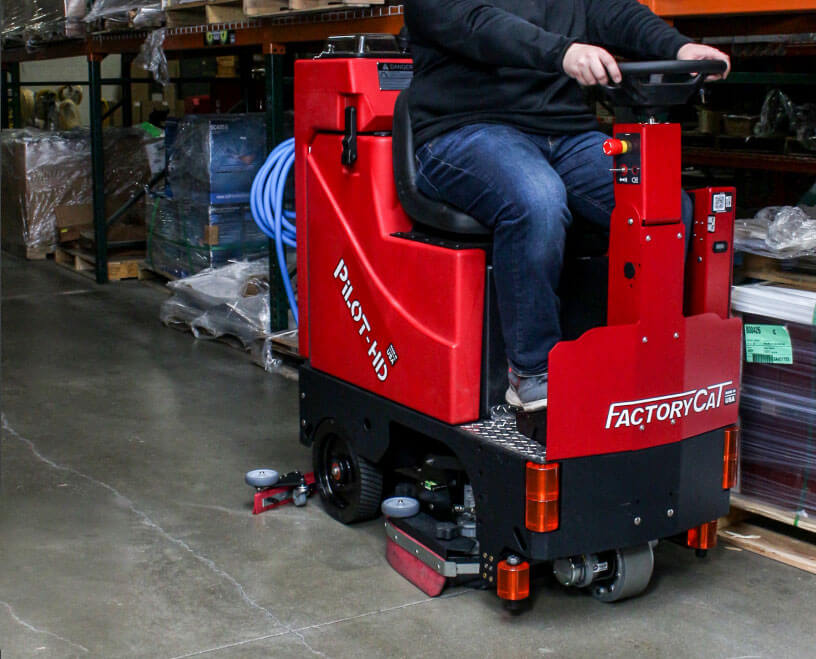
(73, 68)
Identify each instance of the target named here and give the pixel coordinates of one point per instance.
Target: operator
(503, 133)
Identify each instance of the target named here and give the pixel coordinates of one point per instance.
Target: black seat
(420, 208)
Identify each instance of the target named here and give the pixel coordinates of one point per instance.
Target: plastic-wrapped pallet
(778, 410)
(203, 220)
(46, 182)
(779, 232)
(182, 241)
(228, 301)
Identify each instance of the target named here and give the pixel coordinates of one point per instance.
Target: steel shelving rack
(269, 36)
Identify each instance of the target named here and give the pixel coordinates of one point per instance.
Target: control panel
(625, 147)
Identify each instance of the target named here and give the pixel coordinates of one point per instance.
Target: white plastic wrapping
(780, 232)
(231, 301)
(42, 19)
(780, 116)
(267, 353)
(43, 171)
(778, 416)
(152, 58)
(107, 8)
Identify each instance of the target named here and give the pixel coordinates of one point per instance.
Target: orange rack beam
(673, 8)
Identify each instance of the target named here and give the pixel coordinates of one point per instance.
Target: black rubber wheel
(350, 486)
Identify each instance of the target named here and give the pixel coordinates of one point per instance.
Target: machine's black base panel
(625, 499)
(606, 501)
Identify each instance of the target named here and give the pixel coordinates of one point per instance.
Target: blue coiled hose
(266, 202)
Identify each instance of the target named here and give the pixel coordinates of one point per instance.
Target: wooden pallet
(757, 507)
(286, 343)
(120, 266)
(743, 529)
(28, 253)
(181, 13)
(777, 546)
(149, 273)
(762, 267)
(254, 8)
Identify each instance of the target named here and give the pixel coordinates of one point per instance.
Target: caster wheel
(515, 608)
(400, 507)
(350, 486)
(261, 478)
(633, 570)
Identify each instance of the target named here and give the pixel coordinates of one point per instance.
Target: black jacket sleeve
(628, 27)
(486, 34)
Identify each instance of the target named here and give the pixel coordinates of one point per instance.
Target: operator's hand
(590, 65)
(697, 51)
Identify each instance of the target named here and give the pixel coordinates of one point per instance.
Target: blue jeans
(525, 188)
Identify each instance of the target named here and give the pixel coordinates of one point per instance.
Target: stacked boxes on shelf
(203, 220)
(778, 409)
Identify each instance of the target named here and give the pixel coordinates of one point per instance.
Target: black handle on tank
(349, 156)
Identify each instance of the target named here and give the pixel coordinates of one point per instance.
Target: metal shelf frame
(724, 22)
(269, 36)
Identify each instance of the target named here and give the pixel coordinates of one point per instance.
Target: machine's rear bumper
(624, 499)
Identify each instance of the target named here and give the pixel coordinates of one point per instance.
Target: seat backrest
(420, 208)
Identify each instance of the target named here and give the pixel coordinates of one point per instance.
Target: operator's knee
(537, 205)
(534, 229)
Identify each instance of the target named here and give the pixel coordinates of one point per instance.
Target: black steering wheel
(657, 85)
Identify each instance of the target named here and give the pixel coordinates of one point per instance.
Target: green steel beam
(98, 168)
(5, 106)
(16, 106)
(127, 90)
(278, 304)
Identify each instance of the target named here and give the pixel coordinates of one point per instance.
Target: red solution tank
(397, 317)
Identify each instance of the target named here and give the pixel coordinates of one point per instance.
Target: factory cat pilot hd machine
(404, 362)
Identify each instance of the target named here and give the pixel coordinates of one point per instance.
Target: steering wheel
(657, 85)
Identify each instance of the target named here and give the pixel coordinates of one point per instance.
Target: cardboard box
(72, 220)
(75, 221)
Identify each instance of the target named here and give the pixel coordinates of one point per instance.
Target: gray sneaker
(528, 393)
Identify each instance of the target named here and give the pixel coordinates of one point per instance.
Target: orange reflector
(513, 581)
(703, 536)
(542, 497)
(730, 458)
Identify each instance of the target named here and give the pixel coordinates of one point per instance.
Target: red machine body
(654, 375)
(397, 317)
(404, 319)
(399, 327)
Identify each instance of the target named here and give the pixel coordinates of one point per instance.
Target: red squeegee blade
(409, 566)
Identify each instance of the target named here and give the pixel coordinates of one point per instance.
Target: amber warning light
(542, 497)
(730, 458)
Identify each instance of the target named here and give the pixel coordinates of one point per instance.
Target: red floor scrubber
(401, 390)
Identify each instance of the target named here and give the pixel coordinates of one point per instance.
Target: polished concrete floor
(125, 528)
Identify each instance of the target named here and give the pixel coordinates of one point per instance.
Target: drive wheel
(350, 486)
(633, 571)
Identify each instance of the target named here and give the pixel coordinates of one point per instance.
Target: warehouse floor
(125, 528)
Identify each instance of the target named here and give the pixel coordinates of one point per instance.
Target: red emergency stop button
(615, 147)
